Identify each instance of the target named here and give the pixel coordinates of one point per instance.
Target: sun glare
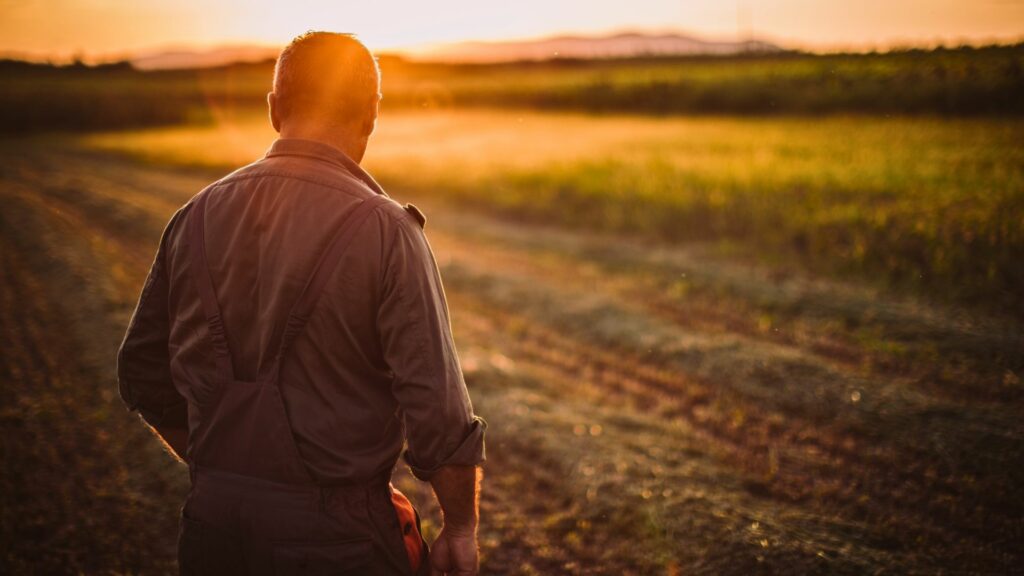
(118, 29)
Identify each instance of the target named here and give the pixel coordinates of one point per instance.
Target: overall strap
(325, 267)
(207, 295)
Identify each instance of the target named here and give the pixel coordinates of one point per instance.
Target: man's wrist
(461, 530)
(456, 488)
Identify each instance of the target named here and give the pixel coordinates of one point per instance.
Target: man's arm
(455, 551)
(445, 439)
(457, 488)
(143, 361)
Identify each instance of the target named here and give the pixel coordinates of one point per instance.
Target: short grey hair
(329, 74)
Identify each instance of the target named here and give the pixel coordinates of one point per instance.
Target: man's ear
(275, 119)
(371, 122)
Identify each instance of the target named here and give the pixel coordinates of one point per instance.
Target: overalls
(254, 507)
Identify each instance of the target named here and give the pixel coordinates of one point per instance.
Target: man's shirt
(376, 363)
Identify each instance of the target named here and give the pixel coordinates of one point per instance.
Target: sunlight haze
(103, 29)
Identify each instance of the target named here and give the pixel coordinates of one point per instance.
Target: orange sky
(100, 28)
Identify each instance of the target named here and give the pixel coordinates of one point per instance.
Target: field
(698, 341)
(963, 81)
(932, 206)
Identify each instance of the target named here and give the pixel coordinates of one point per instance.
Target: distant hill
(210, 58)
(622, 45)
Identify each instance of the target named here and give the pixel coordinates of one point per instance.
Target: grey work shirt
(377, 353)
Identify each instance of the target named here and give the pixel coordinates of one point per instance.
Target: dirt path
(651, 409)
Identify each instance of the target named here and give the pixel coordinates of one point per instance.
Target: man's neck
(354, 148)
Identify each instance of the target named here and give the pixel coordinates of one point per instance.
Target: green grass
(934, 206)
(960, 81)
(931, 205)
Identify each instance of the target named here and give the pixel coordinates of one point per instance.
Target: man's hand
(454, 553)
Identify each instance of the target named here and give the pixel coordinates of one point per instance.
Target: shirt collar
(325, 152)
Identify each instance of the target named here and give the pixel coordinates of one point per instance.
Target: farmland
(747, 339)
(964, 81)
(656, 405)
(931, 206)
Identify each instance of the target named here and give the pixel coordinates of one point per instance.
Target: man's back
(378, 335)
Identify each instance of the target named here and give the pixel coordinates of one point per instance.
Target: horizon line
(413, 51)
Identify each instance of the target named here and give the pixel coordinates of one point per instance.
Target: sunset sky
(106, 28)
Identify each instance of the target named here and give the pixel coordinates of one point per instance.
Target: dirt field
(652, 409)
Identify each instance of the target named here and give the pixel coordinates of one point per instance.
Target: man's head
(325, 85)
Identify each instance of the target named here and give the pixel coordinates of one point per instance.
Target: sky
(108, 28)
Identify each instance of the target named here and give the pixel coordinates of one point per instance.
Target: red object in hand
(410, 528)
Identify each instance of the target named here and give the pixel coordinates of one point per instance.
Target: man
(292, 333)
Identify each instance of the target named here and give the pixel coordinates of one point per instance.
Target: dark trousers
(234, 524)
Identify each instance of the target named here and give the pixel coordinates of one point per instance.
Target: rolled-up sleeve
(416, 338)
(143, 361)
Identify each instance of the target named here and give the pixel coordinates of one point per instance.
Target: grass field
(672, 384)
(964, 81)
(934, 206)
(945, 81)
